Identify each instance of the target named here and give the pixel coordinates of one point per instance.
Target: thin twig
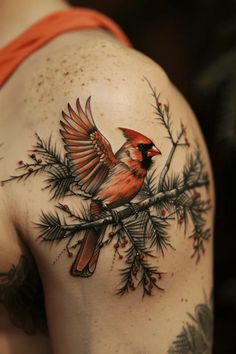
(169, 159)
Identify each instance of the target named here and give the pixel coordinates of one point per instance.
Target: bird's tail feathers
(87, 257)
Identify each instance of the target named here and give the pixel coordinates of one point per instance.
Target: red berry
(20, 162)
(187, 142)
(65, 206)
(39, 161)
(111, 234)
(121, 257)
(196, 196)
(116, 246)
(163, 212)
(30, 170)
(70, 254)
(154, 280)
(32, 156)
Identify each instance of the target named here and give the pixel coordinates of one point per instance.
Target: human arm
(128, 90)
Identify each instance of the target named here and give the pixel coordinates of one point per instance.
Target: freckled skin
(121, 323)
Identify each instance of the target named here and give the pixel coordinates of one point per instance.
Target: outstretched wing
(87, 149)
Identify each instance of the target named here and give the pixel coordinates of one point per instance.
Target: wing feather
(80, 132)
(82, 156)
(89, 152)
(73, 148)
(87, 119)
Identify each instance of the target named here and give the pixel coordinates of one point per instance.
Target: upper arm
(169, 239)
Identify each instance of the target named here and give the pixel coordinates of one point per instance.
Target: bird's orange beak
(153, 152)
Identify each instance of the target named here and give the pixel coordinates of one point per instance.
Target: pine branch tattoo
(135, 220)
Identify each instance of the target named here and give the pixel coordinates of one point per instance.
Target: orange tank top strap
(13, 54)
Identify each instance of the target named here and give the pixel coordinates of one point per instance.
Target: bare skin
(17, 16)
(84, 315)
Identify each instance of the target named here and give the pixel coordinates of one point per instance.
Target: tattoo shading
(196, 336)
(127, 208)
(21, 293)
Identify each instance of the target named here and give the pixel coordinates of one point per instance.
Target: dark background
(195, 42)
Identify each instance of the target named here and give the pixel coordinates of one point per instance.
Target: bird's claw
(135, 208)
(116, 217)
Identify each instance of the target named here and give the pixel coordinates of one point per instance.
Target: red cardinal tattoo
(111, 179)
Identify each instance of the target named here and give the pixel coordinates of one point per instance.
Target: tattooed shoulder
(131, 198)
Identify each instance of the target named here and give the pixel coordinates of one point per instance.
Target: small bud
(181, 220)
(30, 170)
(32, 156)
(196, 242)
(39, 161)
(166, 108)
(187, 142)
(116, 246)
(163, 212)
(196, 196)
(20, 162)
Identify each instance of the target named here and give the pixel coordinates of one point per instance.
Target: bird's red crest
(132, 135)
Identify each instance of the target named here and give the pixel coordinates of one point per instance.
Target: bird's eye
(140, 147)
